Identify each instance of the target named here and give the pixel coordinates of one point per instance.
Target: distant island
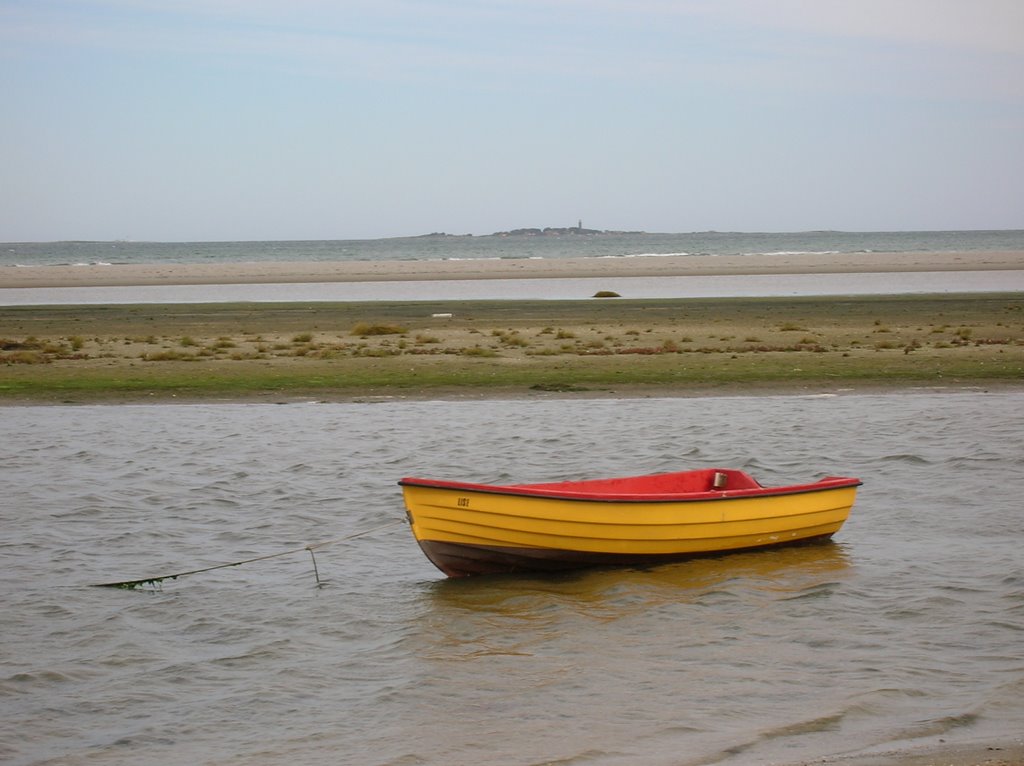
(558, 231)
(548, 231)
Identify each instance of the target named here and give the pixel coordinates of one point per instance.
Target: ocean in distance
(905, 631)
(564, 244)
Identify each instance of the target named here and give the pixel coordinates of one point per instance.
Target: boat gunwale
(539, 491)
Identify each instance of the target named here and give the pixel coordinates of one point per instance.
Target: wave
(798, 252)
(60, 263)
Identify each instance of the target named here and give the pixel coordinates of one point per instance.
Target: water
(431, 248)
(907, 629)
(532, 289)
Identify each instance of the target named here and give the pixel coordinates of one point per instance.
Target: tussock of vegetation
(365, 329)
(478, 351)
(169, 356)
(24, 357)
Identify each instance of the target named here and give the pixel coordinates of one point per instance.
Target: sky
(195, 120)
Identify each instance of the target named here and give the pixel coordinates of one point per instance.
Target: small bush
(545, 352)
(24, 357)
(363, 329)
(479, 351)
(169, 355)
(606, 294)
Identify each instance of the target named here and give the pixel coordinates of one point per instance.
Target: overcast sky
(349, 119)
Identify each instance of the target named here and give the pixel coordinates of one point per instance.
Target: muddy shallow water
(906, 629)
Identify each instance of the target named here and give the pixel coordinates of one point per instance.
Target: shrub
(478, 351)
(169, 355)
(24, 357)
(515, 339)
(363, 329)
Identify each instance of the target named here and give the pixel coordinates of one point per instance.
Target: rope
(131, 584)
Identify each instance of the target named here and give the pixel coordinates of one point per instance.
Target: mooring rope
(131, 584)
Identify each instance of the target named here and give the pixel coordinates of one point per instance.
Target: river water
(906, 630)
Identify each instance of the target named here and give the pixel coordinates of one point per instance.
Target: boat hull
(461, 560)
(467, 529)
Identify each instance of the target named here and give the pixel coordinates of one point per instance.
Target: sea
(339, 643)
(563, 244)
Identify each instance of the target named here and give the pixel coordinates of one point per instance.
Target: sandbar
(1009, 753)
(123, 275)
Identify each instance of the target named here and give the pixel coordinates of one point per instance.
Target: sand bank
(381, 271)
(1009, 753)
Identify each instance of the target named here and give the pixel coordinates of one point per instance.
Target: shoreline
(1001, 752)
(275, 272)
(505, 394)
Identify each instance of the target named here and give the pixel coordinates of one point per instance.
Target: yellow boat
(469, 529)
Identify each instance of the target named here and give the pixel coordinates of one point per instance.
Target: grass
(132, 353)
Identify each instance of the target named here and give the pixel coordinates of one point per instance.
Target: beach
(1004, 754)
(115, 275)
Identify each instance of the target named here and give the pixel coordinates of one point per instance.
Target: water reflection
(509, 613)
(603, 652)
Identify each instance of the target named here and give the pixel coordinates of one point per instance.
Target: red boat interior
(685, 482)
(709, 483)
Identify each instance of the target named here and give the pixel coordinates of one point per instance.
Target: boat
(474, 529)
